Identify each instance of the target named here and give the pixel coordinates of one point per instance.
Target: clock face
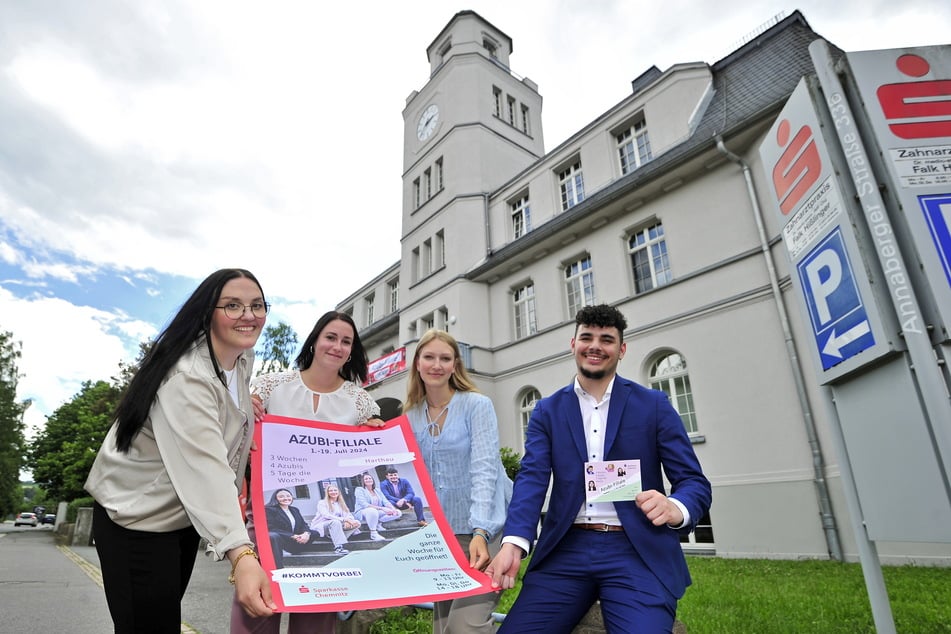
(427, 122)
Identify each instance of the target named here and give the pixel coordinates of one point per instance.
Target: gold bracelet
(234, 564)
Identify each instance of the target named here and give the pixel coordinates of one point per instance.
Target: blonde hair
(459, 379)
(340, 500)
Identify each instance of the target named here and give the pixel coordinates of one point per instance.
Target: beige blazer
(186, 464)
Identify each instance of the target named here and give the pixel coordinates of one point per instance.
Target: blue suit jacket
(641, 425)
(395, 492)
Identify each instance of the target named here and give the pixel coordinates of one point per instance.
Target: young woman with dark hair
(325, 386)
(286, 527)
(170, 467)
(354, 368)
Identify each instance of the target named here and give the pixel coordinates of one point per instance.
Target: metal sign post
(873, 275)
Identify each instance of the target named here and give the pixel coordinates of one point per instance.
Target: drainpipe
(818, 465)
(485, 219)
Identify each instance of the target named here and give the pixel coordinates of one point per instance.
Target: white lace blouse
(284, 394)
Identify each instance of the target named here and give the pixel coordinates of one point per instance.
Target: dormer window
(633, 146)
(444, 49)
(491, 47)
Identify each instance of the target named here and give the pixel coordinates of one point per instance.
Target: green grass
(731, 596)
(759, 595)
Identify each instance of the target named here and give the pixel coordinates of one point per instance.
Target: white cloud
(63, 345)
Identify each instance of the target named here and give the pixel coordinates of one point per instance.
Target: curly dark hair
(601, 316)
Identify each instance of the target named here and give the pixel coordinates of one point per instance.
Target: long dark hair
(355, 369)
(192, 321)
(273, 501)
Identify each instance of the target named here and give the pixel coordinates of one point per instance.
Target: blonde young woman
(458, 435)
(334, 519)
(325, 386)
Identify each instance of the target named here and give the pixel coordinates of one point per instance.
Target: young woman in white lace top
(325, 386)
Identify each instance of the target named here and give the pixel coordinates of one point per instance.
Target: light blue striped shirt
(463, 462)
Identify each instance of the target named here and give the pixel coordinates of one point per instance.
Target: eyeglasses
(235, 310)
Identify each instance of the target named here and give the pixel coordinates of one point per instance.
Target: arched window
(669, 374)
(526, 404)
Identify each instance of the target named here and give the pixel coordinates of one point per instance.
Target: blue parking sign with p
(838, 316)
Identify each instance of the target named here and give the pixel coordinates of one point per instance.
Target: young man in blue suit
(626, 554)
(401, 495)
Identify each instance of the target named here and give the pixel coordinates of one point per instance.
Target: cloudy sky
(145, 144)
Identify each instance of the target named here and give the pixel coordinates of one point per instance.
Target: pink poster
(316, 492)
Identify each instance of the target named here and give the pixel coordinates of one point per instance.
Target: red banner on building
(385, 366)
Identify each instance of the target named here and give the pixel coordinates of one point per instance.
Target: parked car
(27, 519)
(49, 518)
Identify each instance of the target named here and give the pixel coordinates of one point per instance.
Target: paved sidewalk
(42, 590)
(206, 608)
(51, 588)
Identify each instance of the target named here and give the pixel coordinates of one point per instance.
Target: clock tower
(466, 132)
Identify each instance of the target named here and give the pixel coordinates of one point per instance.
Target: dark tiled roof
(759, 76)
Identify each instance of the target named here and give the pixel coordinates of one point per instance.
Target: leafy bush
(511, 460)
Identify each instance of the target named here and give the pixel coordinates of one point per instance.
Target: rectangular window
(521, 217)
(579, 284)
(491, 47)
(439, 182)
(571, 182)
(416, 194)
(439, 250)
(497, 101)
(524, 299)
(426, 258)
(394, 291)
(649, 260)
(465, 355)
(511, 110)
(634, 147)
(417, 274)
(427, 183)
(369, 299)
(525, 119)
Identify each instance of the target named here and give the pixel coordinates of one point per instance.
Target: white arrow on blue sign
(838, 314)
(938, 216)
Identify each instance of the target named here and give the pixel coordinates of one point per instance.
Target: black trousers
(144, 574)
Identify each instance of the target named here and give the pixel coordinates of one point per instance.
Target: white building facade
(651, 207)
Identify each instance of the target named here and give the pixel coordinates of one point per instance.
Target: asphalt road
(49, 588)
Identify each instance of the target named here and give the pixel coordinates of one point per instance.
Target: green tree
(12, 441)
(278, 348)
(62, 454)
(128, 370)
